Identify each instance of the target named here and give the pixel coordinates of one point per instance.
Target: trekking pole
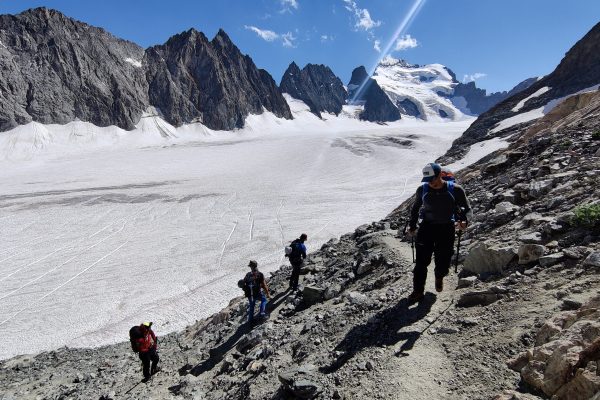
(460, 233)
(412, 240)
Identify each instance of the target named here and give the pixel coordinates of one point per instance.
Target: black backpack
(242, 284)
(296, 253)
(135, 333)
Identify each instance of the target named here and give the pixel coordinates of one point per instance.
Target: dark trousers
(433, 239)
(146, 357)
(296, 267)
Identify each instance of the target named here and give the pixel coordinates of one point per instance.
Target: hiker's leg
(154, 357)
(263, 304)
(424, 245)
(295, 276)
(251, 303)
(444, 248)
(145, 357)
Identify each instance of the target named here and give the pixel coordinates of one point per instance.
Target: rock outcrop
(317, 86)
(54, 69)
(377, 105)
(477, 101)
(193, 79)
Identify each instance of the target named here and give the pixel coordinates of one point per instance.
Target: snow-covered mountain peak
(418, 90)
(389, 61)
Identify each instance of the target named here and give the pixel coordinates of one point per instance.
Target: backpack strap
(450, 185)
(425, 187)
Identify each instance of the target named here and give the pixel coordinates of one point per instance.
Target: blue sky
(497, 42)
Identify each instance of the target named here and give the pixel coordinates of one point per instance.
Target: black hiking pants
(296, 267)
(147, 357)
(437, 240)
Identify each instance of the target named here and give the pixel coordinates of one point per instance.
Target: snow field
(103, 229)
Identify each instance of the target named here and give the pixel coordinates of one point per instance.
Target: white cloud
(405, 42)
(289, 3)
(327, 38)
(264, 34)
(377, 45)
(473, 77)
(363, 17)
(288, 39)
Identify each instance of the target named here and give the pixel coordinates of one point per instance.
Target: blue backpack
(449, 185)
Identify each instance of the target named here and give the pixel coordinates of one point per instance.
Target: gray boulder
(529, 253)
(300, 382)
(592, 260)
(486, 258)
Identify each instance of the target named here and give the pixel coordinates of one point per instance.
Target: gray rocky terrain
(520, 320)
(315, 85)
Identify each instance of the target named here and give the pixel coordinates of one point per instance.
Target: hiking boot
(439, 284)
(415, 297)
(145, 380)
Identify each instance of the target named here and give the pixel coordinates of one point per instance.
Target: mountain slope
(50, 72)
(378, 107)
(193, 79)
(54, 69)
(578, 70)
(316, 85)
(420, 91)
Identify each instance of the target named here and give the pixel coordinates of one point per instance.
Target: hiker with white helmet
(439, 205)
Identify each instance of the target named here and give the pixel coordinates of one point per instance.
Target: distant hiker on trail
(439, 205)
(297, 254)
(255, 287)
(144, 341)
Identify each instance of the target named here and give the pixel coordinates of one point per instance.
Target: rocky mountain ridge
(315, 85)
(51, 74)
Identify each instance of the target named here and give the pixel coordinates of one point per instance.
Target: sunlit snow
(103, 228)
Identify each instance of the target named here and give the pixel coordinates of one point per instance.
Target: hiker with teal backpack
(296, 253)
(435, 208)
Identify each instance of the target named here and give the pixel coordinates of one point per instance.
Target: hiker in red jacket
(147, 345)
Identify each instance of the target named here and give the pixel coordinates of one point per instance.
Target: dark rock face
(378, 106)
(193, 79)
(478, 101)
(359, 76)
(579, 69)
(54, 69)
(409, 108)
(317, 86)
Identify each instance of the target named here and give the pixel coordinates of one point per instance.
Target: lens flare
(404, 25)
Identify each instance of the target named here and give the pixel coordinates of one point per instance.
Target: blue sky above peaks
(497, 43)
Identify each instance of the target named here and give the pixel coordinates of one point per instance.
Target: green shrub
(587, 215)
(596, 135)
